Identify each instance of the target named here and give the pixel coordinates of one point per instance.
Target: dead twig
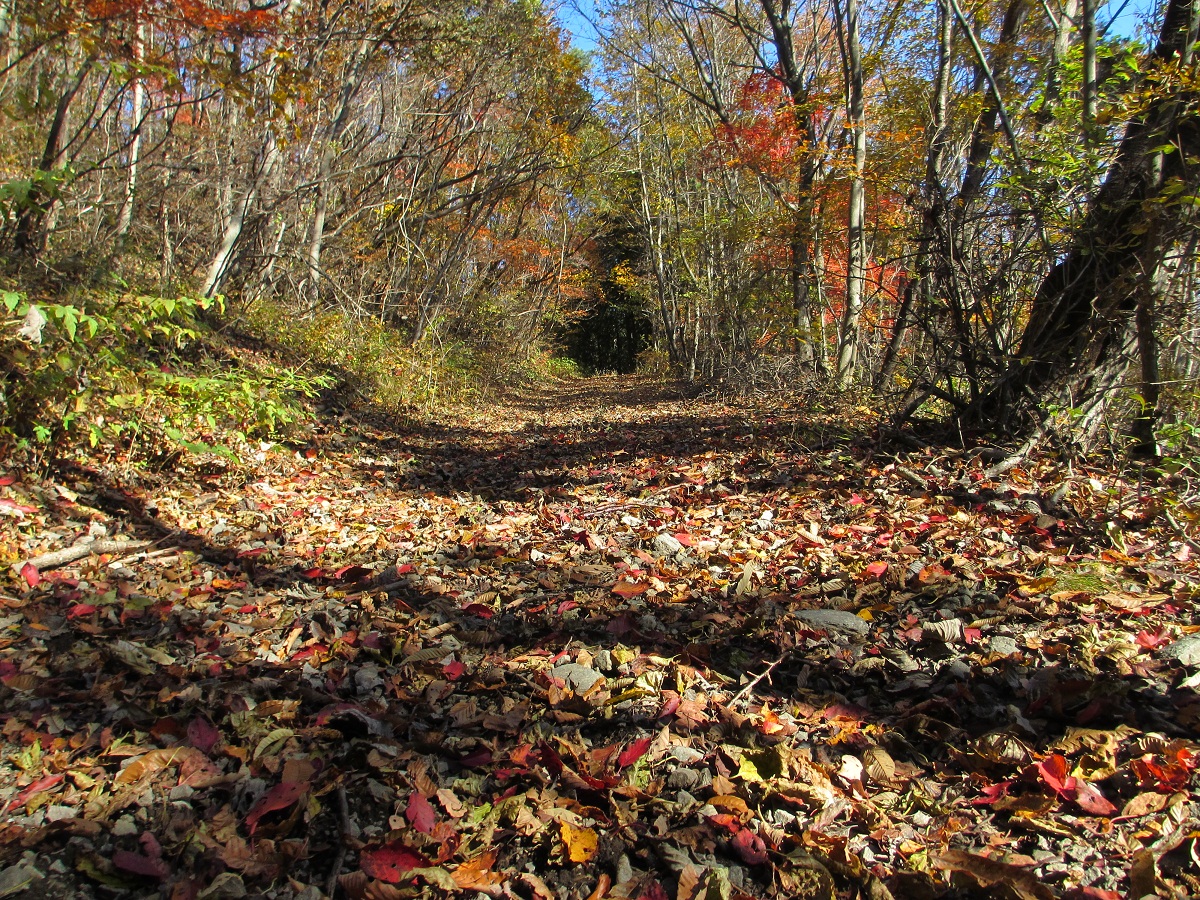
(1183, 535)
(746, 691)
(347, 828)
(88, 548)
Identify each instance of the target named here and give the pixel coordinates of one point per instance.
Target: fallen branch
(1183, 535)
(745, 692)
(79, 551)
(347, 835)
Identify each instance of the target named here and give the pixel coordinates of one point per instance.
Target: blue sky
(1125, 17)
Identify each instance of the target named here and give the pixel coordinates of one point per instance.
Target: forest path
(596, 639)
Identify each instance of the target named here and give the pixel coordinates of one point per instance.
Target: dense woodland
(983, 212)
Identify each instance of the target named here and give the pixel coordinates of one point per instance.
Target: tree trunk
(125, 216)
(1081, 327)
(31, 233)
(856, 249)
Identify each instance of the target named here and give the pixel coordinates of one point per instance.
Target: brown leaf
(987, 872)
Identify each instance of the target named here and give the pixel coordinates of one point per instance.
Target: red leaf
(453, 670)
(391, 862)
(42, 784)
(477, 758)
(140, 865)
(1149, 640)
(7, 480)
(1090, 799)
(420, 814)
(81, 609)
(352, 573)
(876, 569)
(670, 704)
(992, 793)
(750, 847)
(279, 797)
(653, 891)
(1056, 774)
(202, 735)
(478, 609)
(728, 821)
(12, 504)
(31, 575)
(633, 752)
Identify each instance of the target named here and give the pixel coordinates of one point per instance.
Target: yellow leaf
(581, 843)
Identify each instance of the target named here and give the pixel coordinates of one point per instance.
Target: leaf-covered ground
(597, 642)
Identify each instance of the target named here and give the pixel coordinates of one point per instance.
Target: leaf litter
(599, 642)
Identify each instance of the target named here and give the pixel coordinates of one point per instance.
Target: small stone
(1185, 651)
(956, 669)
(60, 813)
(686, 754)
(667, 544)
(181, 792)
(604, 661)
(578, 678)
(685, 801)
(624, 869)
(367, 679)
(1002, 645)
(18, 878)
(833, 618)
(125, 827)
(684, 779)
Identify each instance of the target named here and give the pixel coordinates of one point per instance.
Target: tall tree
(1081, 334)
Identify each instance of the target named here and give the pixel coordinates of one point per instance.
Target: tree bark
(856, 248)
(125, 216)
(1080, 334)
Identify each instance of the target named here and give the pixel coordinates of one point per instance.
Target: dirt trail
(595, 640)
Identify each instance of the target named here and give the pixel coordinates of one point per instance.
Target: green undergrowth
(139, 380)
(371, 359)
(397, 378)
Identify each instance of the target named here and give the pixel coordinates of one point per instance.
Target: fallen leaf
(280, 797)
(634, 752)
(581, 843)
(391, 862)
(420, 813)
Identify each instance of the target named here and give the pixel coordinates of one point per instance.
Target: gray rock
(124, 827)
(1185, 651)
(956, 669)
(18, 878)
(833, 618)
(624, 869)
(667, 544)
(684, 779)
(1005, 646)
(604, 660)
(686, 754)
(578, 678)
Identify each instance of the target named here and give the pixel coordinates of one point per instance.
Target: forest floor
(598, 640)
